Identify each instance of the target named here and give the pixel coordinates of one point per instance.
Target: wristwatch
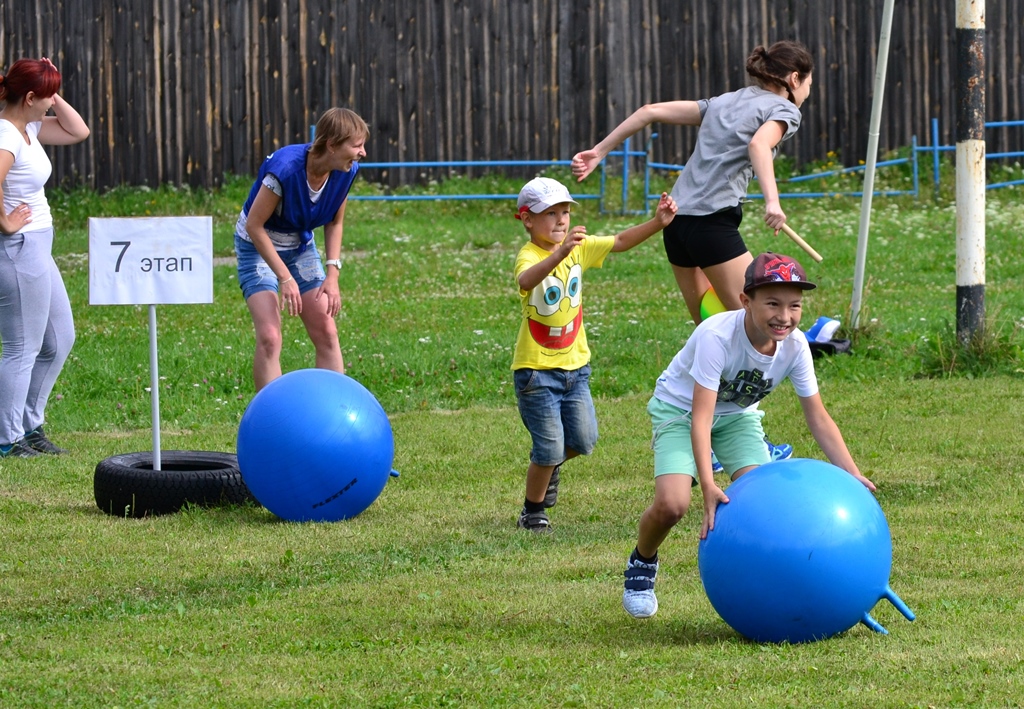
(336, 262)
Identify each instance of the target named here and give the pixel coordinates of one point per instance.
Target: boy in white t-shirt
(708, 396)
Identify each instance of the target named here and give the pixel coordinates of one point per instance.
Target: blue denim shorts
(254, 275)
(557, 410)
(737, 440)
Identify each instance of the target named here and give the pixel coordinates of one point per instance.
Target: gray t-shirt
(719, 170)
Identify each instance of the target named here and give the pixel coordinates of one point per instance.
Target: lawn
(431, 597)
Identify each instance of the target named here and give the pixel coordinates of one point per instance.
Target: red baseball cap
(768, 268)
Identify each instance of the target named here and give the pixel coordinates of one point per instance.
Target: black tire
(127, 486)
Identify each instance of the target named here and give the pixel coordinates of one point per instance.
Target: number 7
(125, 244)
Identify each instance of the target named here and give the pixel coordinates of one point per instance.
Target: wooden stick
(801, 243)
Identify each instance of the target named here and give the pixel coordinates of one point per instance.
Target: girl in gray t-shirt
(739, 134)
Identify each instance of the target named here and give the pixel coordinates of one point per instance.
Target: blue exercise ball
(315, 445)
(801, 552)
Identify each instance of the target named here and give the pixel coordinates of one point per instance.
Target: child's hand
(712, 499)
(666, 209)
(865, 482)
(584, 163)
(575, 237)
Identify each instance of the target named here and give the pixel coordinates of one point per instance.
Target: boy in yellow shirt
(551, 362)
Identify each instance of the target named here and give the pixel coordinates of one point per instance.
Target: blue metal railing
(937, 149)
(650, 166)
(625, 154)
(912, 161)
(464, 163)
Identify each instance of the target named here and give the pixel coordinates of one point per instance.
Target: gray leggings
(36, 330)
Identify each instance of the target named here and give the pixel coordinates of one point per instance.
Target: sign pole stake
(154, 384)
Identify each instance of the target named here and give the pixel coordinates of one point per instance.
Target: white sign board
(150, 260)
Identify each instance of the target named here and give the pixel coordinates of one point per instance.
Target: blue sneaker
(638, 597)
(716, 467)
(782, 451)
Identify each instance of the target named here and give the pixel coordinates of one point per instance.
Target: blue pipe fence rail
(912, 161)
(650, 167)
(937, 150)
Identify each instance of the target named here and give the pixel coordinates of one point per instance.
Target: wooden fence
(184, 91)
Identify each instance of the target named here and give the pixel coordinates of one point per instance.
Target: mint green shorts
(736, 439)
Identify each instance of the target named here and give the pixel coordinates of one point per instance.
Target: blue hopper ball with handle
(801, 552)
(315, 445)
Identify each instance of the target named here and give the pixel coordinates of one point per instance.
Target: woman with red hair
(36, 327)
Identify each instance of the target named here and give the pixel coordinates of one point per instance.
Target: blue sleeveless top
(299, 214)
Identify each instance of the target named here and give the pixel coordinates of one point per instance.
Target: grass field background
(431, 597)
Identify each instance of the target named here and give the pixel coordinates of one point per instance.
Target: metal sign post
(151, 261)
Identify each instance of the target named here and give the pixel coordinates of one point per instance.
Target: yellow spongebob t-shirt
(551, 335)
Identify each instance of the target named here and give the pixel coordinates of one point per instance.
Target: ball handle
(891, 596)
(873, 624)
(898, 602)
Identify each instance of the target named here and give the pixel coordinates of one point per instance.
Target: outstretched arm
(826, 433)
(641, 232)
(683, 113)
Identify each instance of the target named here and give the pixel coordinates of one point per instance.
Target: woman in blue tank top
(298, 188)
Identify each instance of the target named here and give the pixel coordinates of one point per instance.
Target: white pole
(154, 387)
(881, 67)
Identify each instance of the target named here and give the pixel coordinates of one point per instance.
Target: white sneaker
(638, 597)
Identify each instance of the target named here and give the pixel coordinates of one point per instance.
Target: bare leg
(742, 471)
(692, 284)
(727, 279)
(266, 319)
(322, 331)
(538, 477)
(671, 501)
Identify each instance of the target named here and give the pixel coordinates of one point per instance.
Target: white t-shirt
(28, 175)
(719, 356)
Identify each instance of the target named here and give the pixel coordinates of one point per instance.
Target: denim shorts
(254, 275)
(556, 408)
(736, 439)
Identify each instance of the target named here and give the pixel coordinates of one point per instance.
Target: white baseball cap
(540, 193)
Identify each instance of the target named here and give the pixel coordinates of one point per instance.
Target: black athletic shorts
(707, 240)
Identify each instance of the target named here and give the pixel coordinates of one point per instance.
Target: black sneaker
(551, 496)
(18, 449)
(534, 521)
(38, 441)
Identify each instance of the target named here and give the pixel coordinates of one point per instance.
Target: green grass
(431, 598)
